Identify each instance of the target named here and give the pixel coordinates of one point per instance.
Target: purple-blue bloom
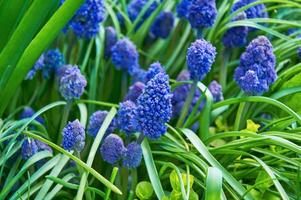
(125, 56)
(29, 148)
(202, 13)
(153, 70)
(136, 6)
(85, 23)
(110, 41)
(154, 107)
(112, 148)
(216, 91)
(73, 136)
(125, 117)
(200, 57)
(37, 66)
(72, 83)
(95, 122)
(258, 11)
(134, 91)
(236, 36)
(183, 8)
(256, 71)
(132, 155)
(43, 147)
(29, 112)
(163, 25)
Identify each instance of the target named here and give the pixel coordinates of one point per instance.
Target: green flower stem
(187, 104)
(223, 71)
(112, 179)
(64, 121)
(239, 116)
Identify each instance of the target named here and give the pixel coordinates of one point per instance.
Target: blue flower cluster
(237, 36)
(200, 57)
(136, 6)
(85, 23)
(256, 71)
(125, 56)
(216, 91)
(49, 62)
(257, 11)
(112, 151)
(95, 122)
(72, 83)
(73, 136)
(31, 147)
(29, 112)
(163, 25)
(154, 107)
(126, 114)
(134, 91)
(200, 13)
(110, 41)
(153, 70)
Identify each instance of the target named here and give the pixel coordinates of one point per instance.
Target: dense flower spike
(183, 8)
(163, 25)
(72, 83)
(29, 112)
(136, 6)
(200, 57)
(29, 148)
(126, 115)
(154, 107)
(153, 70)
(43, 147)
(96, 120)
(258, 11)
(256, 71)
(110, 41)
(202, 13)
(112, 148)
(49, 62)
(85, 23)
(73, 136)
(134, 91)
(237, 36)
(132, 155)
(216, 91)
(125, 56)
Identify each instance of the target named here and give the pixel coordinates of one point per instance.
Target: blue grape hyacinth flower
(29, 148)
(132, 155)
(162, 25)
(154, 107)
(257, 11)
(110, 41)
(85, 22)
(200, 57)
(96, 121)
(125, 56)
(134, 91)
(154, 69)
(125, 117)
(236, 36)
(202, 13)
(72, 83)
(73, 136)
(29, 112)
(112, 149)
(216, 91)
(183, 8)
(256, 71)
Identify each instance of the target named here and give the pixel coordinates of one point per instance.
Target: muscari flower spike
(72, 83)
(85, 23)
(125, 56)
(237, 36)
(183, 8)
(200, 57)
(110, 41)
(258, 11)
(29, 112)
(49, 62)
(163, 25)
(202, 13)
(216, 91)
(153, 70)
(112, 148)
(29, 148)
(125, 117)
(132, 155)
(134, 91)
(96, 121)
(73, 136)
(154, 107)
(136, 6)
(256, 71)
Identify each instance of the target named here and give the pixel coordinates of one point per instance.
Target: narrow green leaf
(214, 183)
